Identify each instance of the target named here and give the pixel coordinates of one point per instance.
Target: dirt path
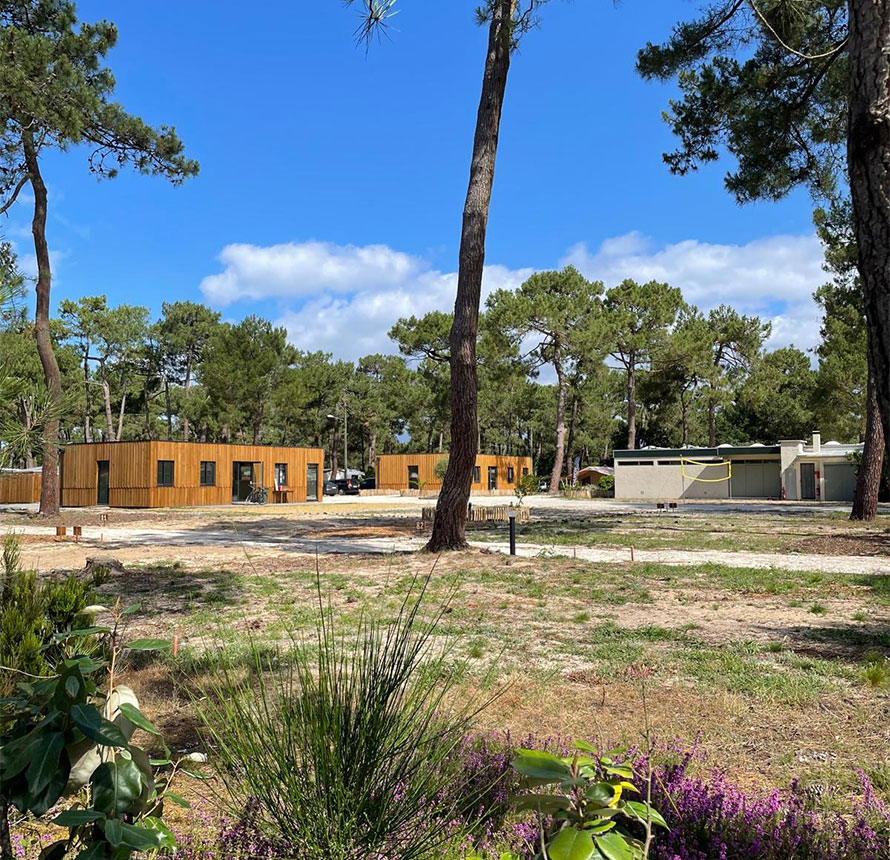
(190, 544)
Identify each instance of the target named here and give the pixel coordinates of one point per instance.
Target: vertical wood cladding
(19, 488)
(392, 470)
(133, 472)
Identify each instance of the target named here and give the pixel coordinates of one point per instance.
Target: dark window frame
(283, 467)
(477, 474)
(204, 473)
(511, 474)
(414, 477)
(163, 481)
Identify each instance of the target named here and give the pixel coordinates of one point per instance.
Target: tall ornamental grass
(343, 748)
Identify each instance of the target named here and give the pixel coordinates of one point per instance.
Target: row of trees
(632, 364)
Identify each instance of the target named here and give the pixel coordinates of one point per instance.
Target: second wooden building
(170, 474)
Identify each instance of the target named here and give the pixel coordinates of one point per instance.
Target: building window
(165, 473)
(208, 473)
(510, 474)
(524, 472)
(281, 474)
(477, 474)
(414, 477)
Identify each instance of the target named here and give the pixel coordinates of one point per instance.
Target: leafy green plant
(71, 730)
(607, 483)
(344, 744)
(587, 815)
(525, 486)
(876, 672)
(33, 612)
(441, 467)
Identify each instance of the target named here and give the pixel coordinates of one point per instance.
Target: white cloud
(773, 277)
(344, 299)
(305, 269)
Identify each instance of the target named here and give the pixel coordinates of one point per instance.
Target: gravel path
(111, 538)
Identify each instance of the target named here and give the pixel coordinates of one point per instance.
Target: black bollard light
(512, 515)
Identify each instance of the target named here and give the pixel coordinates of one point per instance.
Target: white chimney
(817, 442)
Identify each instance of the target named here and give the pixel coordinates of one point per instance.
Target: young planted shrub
(33, 612)
(344, 747)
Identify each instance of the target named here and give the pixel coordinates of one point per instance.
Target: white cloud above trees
(344, 299)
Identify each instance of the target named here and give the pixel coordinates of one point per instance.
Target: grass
(729, 531)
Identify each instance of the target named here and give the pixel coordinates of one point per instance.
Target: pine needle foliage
(346, 745)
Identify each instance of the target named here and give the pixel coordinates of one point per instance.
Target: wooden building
(167, 474)
(19, 486)
(493, 473)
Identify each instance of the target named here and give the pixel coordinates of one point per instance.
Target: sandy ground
(201, 540)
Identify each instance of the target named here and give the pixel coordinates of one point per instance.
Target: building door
(242, 478)
(414, 477)
(102, 482)
(492, 477)
(808, 480)
(312, 482)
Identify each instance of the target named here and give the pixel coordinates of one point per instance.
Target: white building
(791, 470)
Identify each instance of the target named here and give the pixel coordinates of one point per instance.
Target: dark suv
(347, 486)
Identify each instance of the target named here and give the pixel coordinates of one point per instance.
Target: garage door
(840, 482)
(756, 479)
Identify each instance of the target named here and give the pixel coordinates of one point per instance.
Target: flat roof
(695, 453)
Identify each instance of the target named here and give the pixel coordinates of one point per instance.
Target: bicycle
(257, 495)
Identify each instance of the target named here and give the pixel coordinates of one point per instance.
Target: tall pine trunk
(106, 398)
(712, 421)
(868, 481)
(556, 474)
(49, 479)
(631, 402)
(185, 397)
(449, 528)
(868, 154)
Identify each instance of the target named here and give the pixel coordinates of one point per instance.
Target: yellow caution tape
(685, 460)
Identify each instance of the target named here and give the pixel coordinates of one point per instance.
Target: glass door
(492, 477)
(102, 482)
(312, 482)
(242, 478)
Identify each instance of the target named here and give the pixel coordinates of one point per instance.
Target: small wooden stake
(631, 553)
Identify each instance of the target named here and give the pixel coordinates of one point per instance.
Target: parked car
(348, 486)
(331, 488)
(368, 484)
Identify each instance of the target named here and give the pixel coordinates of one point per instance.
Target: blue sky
(332, 182)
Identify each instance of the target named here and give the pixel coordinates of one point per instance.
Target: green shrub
(345, 745)
(607, 483)
(33, 611)
(441, 467)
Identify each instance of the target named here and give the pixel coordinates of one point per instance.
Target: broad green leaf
(39, 803)
(133, 607)
(149, 644)
(175, 798)
(596, 829)
(96, 727)
(80, 633)
(115, 786)
(15, 755)
(94, 852)
(113, 832)
(622, 770)
(541, 766)
(72, 686)
(640, 809)
(45, 761)
(602, 793)
(613, 847)
(166, 837)
(571, 844)
(141, 838)
(56, 851)
(137, 718)
(77, 817)
(584, 746)
(547, 803)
